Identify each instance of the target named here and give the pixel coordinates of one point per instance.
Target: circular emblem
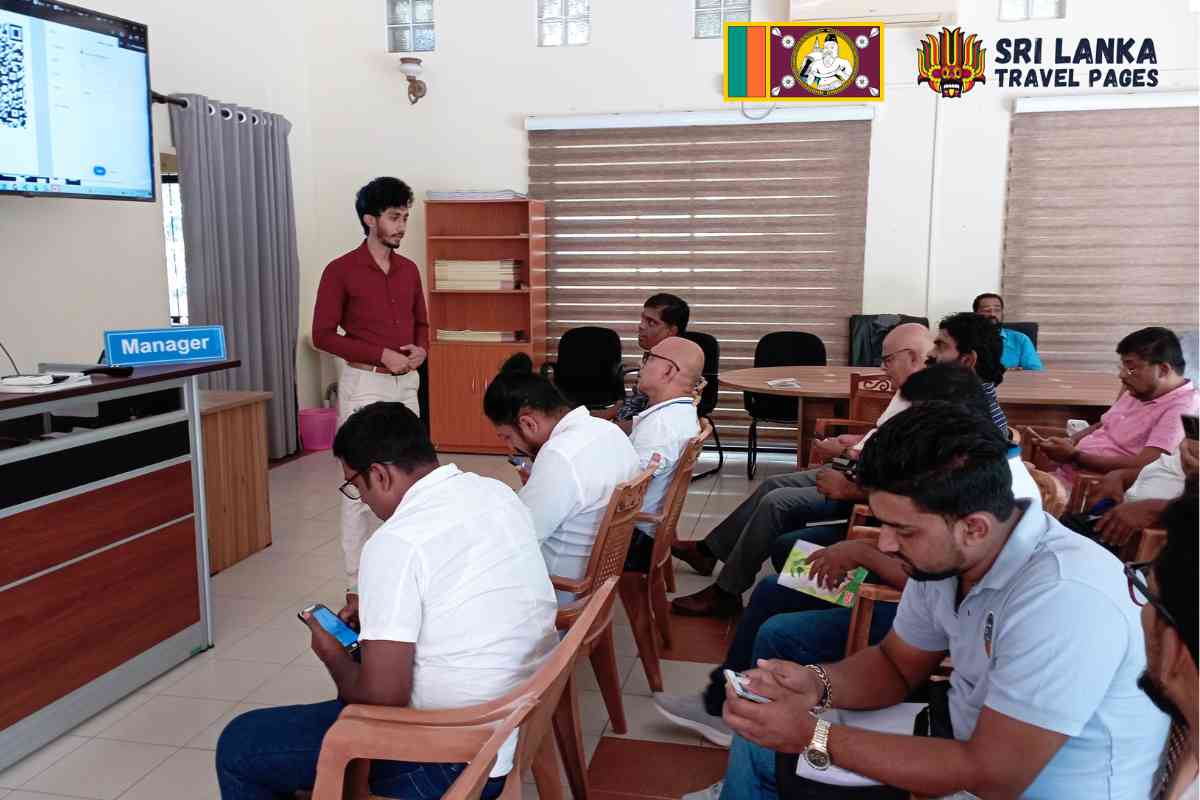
(825, 61)
(788, 81)
(861, 42)
(789, 42)
(862, 81)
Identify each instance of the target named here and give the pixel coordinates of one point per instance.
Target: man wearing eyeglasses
(1166, 590)
(663, 316)
(789, 502)
(670, 372)
(1145, 421)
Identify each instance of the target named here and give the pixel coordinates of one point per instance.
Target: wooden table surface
(1023, 387)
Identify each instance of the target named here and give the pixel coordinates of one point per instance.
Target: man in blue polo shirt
(1047, 645)
(1019, 350)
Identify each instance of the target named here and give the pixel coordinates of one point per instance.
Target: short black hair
(946, 459)
(985, 296)
(1175, 568)
(673, 310)
(1154, 346)
(384, 433)
(378, 196)
(975, 333)
(949, 383)
(518, 388)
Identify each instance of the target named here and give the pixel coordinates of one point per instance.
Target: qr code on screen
(13, 111)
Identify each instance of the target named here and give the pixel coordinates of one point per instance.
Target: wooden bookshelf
(459, 372)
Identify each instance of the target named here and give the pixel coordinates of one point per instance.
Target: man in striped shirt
(972, 340)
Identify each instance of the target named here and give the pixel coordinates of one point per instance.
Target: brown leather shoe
(710, 602)
(690, 554)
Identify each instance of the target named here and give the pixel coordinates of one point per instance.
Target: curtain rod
(158, 97)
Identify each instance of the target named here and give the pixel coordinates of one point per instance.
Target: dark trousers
(270, 753)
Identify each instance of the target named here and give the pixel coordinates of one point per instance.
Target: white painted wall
(72, 268)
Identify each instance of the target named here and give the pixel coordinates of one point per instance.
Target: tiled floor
(158, 742)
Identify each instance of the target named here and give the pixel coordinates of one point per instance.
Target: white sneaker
(688, 711)
(711, 793)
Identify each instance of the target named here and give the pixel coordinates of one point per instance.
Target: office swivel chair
(778, 349)
(588, 370)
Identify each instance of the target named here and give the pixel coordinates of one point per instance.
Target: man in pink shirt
(1145, 421)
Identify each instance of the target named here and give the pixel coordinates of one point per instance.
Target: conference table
(1050, 397)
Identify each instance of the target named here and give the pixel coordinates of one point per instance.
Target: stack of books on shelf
(480, 336)
(443, 197)
(477, 275)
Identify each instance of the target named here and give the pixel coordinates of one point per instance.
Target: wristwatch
(817, 752)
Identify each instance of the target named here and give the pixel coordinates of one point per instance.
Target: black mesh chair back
(588, 369)
(1030, 329)
(778, 349)
(867, 332)
(708, 398)
(782, 349)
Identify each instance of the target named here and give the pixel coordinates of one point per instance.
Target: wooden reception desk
(103, 549)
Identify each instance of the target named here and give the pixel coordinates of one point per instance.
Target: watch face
(816, 759)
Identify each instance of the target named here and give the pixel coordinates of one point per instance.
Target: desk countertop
(211, 401)
(103, 383)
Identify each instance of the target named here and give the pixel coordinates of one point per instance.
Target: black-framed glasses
(649, 354)
(1137, 574)
(349, 490)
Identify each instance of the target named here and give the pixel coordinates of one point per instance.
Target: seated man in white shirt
(578, 460)
(670, 371)
(1143, 495)
(456, 609)
(1046, 643)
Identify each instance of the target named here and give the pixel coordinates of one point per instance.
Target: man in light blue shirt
(1046, 643)
(1019, 350)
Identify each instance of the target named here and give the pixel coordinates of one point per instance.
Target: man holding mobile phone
(456, 609)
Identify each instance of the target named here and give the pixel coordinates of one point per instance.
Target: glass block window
(1017, 10)
(564, 22)
(409, 26)
(710, 14)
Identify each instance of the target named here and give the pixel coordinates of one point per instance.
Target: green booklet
(795, 576)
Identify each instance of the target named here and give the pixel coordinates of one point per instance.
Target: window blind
(1101, 236)
(759, 227)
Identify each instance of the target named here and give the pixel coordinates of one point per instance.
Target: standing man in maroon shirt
(374, 295)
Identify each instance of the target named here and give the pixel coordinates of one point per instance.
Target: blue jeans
(750, 773)
(270, 753)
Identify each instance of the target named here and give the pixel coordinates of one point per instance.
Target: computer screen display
(74, 103)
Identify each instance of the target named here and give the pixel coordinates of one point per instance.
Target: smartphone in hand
(738, 681)
(346, 636)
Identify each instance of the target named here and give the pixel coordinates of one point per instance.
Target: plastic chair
(607, 561)
(1054, 494)
(869, 396)
(778, 349)
(708, 397)
(363, 732)
(1030, 329)
(588, 370)
(644, 594)
(858, 637)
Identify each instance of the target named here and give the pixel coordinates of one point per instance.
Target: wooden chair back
(1145, 545)
(869, 395)
(1054, 494)
(612, 542)
(473, 780)
(363, 732)
(681, 480)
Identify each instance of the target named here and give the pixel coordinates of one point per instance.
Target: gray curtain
(243, 270)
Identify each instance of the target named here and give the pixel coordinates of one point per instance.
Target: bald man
(669, 374)
(789, 502)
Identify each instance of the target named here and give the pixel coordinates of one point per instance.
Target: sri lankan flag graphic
(776, 61)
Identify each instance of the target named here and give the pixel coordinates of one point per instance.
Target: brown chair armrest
(879, 593)
(375, 739)
(568, 585)
(654, 519)
(859, 515)
(864, 533)
(825, 423)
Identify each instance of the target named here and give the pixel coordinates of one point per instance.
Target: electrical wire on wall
(767, 113)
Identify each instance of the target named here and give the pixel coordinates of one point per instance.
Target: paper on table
(73, 379)
(783, 383)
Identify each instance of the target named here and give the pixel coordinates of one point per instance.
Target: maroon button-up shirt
(376, 310)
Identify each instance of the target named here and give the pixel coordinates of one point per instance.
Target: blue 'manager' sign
(165, 345)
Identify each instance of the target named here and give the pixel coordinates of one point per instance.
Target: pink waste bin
(317, 428)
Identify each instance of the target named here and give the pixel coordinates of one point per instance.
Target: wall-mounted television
(74, 103)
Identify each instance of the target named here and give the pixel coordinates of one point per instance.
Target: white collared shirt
(1161, 479)
(1049, 637)
(570, 485)
(665, 429)
(456, 570)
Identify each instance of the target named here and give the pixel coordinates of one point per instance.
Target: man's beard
(1154, 690)
(917, 574)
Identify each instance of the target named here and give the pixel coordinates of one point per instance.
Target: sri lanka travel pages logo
(952, 63)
